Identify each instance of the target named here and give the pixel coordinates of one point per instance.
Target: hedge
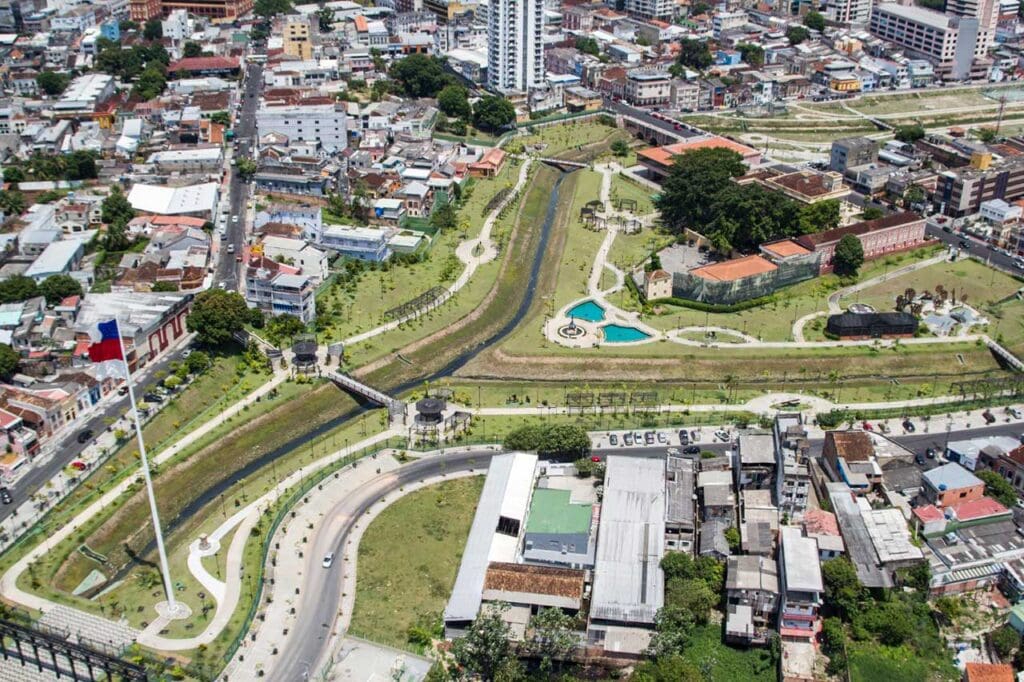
(717, 307)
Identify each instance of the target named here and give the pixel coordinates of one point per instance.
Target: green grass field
(623, 188)
(870, 662)
(408, 558)
(571, 139)
(721, 663)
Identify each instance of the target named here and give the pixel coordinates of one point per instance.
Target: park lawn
(624, 188)
(408, 558)
(721, 663)
(474, 208)
(582, 243)
(630, 250)
(573, 137)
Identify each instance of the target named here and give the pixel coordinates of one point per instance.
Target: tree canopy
(192, 49)
(849, 256)
(485, 652)
(9, 359)
(492, 113)
(797, 34)
(153, 30)
(216, 315)
(752, 54)
(115, 209)
(814, 20)
(453, 100)
(998, 488)
(588, 45)
(58, 287)
(420, 75)
(18, 288)
(551, 439)
(129, 63)
(52, 83)
(267, 9)
(910, 133)
(694, 54)
(12, 202)
(699, 193)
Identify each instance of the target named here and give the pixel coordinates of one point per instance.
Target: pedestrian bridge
(1005, 355)
(562, 164)
(396, 408)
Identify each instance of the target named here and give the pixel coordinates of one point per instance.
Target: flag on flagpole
(106, 351)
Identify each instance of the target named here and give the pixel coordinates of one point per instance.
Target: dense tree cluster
(998, 488)
(78, 165)
(849, 256)
(58, 287)
(699, 193)
(493, 113)
(52, 83)
(693, 54)
(420, 75)
(692, 589)
(453, 100)
(9, 359)
(217, 314)
(116, 212)
(550, 439)
(129, 63)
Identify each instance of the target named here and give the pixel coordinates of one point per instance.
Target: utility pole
(999, 118)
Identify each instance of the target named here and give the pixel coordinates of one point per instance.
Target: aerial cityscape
(512, 340)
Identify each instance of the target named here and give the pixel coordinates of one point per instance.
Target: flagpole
(164, 568)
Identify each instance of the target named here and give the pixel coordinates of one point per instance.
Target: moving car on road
(328, 560)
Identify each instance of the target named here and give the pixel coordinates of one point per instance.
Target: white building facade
(515, 49)
(325, 124)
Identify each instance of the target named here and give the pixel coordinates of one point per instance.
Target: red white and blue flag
(106, 342)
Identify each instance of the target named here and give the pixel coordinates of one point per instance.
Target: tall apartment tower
(987, 14)
(848, 11)
(515, 51)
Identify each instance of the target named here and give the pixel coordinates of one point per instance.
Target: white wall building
(177, 26)
(515, 50)
(296, 252)
(651, 9)
(848, 11)
(318, 123)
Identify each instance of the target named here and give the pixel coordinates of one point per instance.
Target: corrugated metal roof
(628, 582)
(484, 543)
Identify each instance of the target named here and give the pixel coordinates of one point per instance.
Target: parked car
(722, 435)
(988, 416)
(1013, 412)
(152, 398)
(627, 439)
(638, 437)
(684, 437)
(5, 496)
(595, 458)
(649, 438)
(328, 560)
(84, 436)
(613, 439)
(908, 426)
(919, 458)
(930, 453)
(80, 465)
(866, 426)
(123, 390)
(662, 438)
(691, 450)
(965, 245)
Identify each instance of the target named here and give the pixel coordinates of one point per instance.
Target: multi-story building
(848, 11)
(987, 14)
(364, 243)
(727, 21)
(325, 124)
(515, 49)
(279, 293)
(297, 39)
(947, 41)
(651, 9)
(879, 237)
(648, 88)
(751, 598)
(951, 484)
(850, 152)
(802, 585)
(961, 192)
(144, 10)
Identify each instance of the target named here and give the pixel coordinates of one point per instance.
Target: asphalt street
(245, 131)
(321, 593)
(68, 448)
(977, 248)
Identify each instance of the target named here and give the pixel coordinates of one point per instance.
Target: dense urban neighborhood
(511, 340)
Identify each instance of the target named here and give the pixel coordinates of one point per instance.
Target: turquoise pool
(588, 311)
(617, 333)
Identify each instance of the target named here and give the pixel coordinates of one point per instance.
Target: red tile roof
(820, 522)
(203, 64)
(864, 227)
(988, 672)
(785, 248)
(737, 268)
(977, 509)
(928, 513)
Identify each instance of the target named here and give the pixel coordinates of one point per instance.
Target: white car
(1013, 412)
(328, 560)
(722, 435)
(234, 219)
(231, 248)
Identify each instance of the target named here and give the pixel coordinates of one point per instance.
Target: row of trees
(117, 212)
(700, 193)
(78, 165)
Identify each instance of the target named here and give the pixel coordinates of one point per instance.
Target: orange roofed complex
(658, 160)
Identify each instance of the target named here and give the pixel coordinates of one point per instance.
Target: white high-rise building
(325, 124)
(987, 14)
(848, 11)
(515, 49)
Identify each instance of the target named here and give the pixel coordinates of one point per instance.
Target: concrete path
(467, 252)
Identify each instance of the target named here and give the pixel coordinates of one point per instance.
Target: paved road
(245, 131)
(645, 116)
(322, 588)
(978, 249)
(69, 448)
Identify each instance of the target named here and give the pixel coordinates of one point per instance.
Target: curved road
(321, 591)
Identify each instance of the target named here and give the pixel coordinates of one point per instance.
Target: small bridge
(396, 408)
(1004, 355)
(563, 165)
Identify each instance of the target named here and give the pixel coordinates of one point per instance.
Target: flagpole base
(179, 611)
